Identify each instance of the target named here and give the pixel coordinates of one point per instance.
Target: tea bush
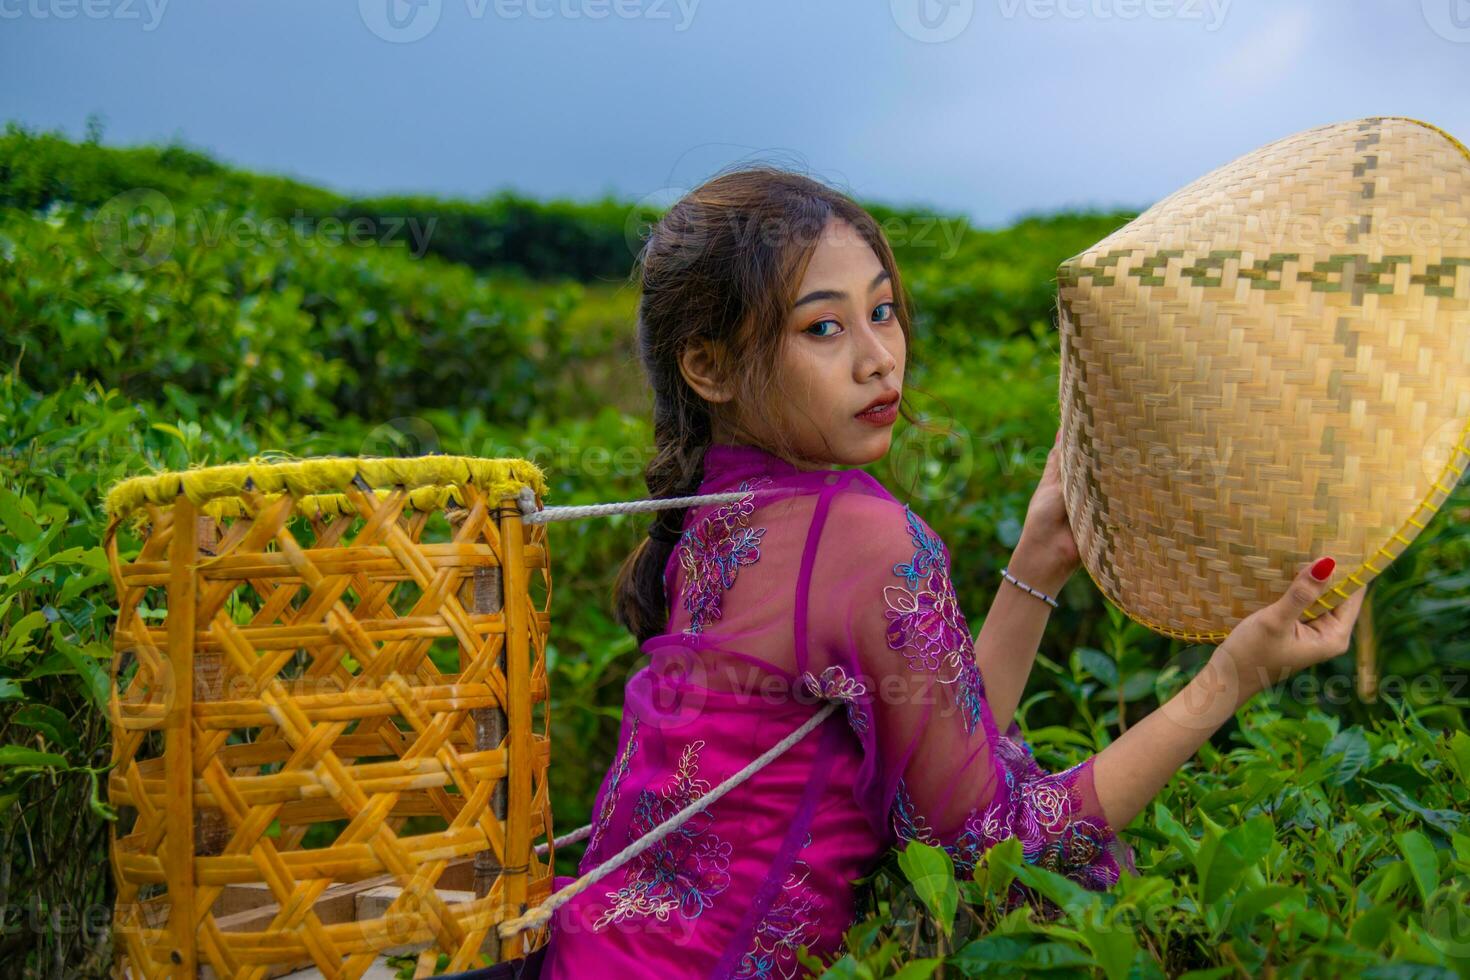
(1318, 834)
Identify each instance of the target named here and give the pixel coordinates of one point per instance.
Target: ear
(700, 363)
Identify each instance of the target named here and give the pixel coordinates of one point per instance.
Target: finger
(1344, 617)
(1347, 610)
(1341, 616)
(1305, 589)
(1331, 633)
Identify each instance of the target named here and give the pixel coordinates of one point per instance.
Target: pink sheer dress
(813, 586)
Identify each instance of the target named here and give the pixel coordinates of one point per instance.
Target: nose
(874, 358)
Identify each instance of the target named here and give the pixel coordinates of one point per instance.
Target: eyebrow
(818, 294)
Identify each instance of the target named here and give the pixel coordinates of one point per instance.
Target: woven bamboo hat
(1269, 365)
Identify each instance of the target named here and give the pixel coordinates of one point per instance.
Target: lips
(879, 403)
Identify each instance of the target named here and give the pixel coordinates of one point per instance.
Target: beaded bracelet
(1006, 574)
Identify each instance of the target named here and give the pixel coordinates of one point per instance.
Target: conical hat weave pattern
(1270, 365)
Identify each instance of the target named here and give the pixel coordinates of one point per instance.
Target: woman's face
(842, 349)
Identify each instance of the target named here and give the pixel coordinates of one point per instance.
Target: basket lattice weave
(329, 715)
(1269, 365)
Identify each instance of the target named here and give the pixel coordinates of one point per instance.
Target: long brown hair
(722, 265)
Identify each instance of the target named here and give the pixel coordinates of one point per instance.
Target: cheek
(806, 374)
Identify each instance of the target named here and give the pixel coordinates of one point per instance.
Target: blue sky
(991, 108)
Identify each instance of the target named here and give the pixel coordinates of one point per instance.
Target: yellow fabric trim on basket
(1449, 476)
(1461, 146)
(431, 481)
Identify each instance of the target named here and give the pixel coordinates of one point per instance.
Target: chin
(874, 448)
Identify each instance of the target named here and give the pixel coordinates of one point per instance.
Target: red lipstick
(882, 410)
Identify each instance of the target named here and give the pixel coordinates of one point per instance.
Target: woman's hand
(1272, 643)
(1047, 551)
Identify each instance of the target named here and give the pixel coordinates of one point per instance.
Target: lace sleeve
(885, 612)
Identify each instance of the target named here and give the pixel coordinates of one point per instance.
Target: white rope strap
(541, 914)
(580, 834)
(531, 514)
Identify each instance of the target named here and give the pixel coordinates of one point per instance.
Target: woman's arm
(1005, 649)
(1132, 769)
(1263, 649)
(1044, 558)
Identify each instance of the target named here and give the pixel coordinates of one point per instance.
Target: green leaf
(13, 518)
(67, 556)
(860, 937)
(1099, 665)
(49, 722)
(1112, 946)
(1460, 752)
(92, 679)
(17, 639)
(1447, 821)
(1224, 857)
(22, 756)
(1054, 956)
(1060, 735)
(1422, 860)
(1002, 861)
(931, 872)
(1174, 831)
(1394, 877)
(918, 969)
(27, 551)
(61, 489)
(1355, 753)
(1139, 684)
(1370, 929)
(10, 690)
(1065, 892)
(1257, 899)
(991, 949)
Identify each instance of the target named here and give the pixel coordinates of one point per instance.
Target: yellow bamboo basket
(329, 715)
(1269, 365)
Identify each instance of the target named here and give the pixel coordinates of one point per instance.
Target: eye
(884, 319)
(819, 324)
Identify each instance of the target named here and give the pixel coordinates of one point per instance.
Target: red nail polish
(1323, 568)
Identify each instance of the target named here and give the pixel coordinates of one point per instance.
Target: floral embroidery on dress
(930, 553)
(835, 685)
(925, 622)
(908, 823)
(712, 551)
(684, 871)
(970, 691)
(789, 924)
(1040, 812)
(610, 801)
